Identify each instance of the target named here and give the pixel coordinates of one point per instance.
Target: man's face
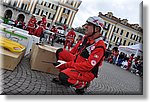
(88, 28)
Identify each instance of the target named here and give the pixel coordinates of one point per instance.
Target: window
(103, 33)
(121, 32)
(15, 3)
(114, 39)
(63, 20)
(36, 11)
(66, 11)
(107, 25)
(111, 37)
(124, 43)
(54, 7)
(45, 3)
(51, 16)
(131, 36)
(49, 5)
(140, 39)
(137, 38)
(128, 43)
(120, 41)
(117, 30)
(22, 6)
(9, 3)
(127, 34)
(134, 37)
(70, 2)
(43, 12)
(114, 29)
(48, 25)
(25, 6)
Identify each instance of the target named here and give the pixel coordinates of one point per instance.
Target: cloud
(124, 9)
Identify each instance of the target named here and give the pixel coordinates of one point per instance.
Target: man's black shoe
(80, 91)
(56, 81)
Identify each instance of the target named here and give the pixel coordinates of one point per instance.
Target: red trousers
(38, 31)
(31, 31)
(78, 78)
(68, 43)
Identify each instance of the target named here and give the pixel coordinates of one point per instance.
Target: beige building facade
(118, 31)
(59, 12)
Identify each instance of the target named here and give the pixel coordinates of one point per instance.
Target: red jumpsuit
(83, 61)
(31, 25)
(41, 27)
(69, 39)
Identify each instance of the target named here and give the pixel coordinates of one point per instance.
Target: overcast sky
(124, 9)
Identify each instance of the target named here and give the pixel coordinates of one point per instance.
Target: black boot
(56, 81)
(82, 91)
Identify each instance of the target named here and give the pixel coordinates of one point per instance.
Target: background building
(118, 31)
(58, 11)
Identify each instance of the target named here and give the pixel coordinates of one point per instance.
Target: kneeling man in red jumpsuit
(85, 58)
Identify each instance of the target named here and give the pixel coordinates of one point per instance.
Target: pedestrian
(53, 36)
(41, 27)
(130, 61)
(19, 24)
(115, 53)
(70, 39)
(32, 24)
(83, 61)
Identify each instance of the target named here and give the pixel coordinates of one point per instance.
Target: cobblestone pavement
(112, 80)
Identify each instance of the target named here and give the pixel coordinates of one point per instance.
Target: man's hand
(60, 64)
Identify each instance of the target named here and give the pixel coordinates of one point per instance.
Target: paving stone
(112, 80)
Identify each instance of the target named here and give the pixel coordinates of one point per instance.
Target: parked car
(61, 38)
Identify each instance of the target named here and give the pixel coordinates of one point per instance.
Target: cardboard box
(43, 53)
(9, 60)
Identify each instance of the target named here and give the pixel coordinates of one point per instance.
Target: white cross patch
(93, 62)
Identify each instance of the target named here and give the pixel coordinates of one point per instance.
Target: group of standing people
(37, 28)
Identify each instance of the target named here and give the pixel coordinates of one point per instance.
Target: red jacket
(43, 22)
(70, 36)
(89, 57)
(41, 27)
(32, 23)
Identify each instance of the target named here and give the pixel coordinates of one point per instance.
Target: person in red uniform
(19, 23)
(130, 61)
(41, 27)
(32, 25)
(55, 31)
(83, 61)
(70, 39)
